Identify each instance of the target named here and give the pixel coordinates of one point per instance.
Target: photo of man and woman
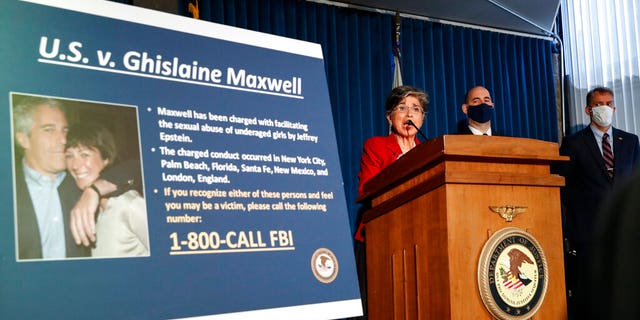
(78, 187)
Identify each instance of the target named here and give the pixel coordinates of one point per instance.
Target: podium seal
(512, 275)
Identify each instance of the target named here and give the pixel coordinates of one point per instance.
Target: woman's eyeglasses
(404, 109)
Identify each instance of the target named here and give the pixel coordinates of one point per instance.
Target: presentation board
(240, 211)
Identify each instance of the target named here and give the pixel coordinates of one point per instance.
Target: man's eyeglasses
(404, 109)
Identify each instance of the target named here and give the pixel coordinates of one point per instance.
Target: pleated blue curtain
(518, 71)
(444, 60)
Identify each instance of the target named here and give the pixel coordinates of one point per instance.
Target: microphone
(409, 122)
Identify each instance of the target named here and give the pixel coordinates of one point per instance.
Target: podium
(430, 216)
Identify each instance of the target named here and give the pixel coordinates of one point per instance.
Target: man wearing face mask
(479, 110)
(600, 156)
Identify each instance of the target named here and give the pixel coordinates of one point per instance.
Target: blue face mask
(480, 113)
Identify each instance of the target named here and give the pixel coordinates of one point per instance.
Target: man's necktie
(607, 154)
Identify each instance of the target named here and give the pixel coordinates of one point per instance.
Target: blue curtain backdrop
(444, 60)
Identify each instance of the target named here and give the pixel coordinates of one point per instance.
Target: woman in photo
(121, 226)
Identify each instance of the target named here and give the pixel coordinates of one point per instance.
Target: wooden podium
(429, 218)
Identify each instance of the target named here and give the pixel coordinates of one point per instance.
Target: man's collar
(478, 132)
(598, 134)
(39, 178)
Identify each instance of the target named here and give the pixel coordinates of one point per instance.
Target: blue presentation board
(232, 132)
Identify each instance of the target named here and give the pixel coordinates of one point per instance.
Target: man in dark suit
(479, 109)
(44, 192)
(600, 156)
(29, 238)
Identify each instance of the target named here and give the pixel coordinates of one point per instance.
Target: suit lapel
(393, 147)
(29, 245)
(590, 142)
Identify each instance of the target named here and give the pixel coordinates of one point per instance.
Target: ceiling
(535, 17)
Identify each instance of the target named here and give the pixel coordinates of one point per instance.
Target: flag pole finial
(194, 10)
(396, 29)
(397, 73)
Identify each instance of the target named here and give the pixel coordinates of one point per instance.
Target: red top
(378, 153)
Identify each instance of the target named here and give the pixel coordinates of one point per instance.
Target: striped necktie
(607, 154)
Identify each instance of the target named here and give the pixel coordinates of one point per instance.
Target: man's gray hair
(23, 112)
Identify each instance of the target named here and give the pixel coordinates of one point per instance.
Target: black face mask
(480, 113)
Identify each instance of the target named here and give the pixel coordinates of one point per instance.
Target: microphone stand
(409, 122)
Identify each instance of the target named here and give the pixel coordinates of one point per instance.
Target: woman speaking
(405, 105)
(405, 110)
